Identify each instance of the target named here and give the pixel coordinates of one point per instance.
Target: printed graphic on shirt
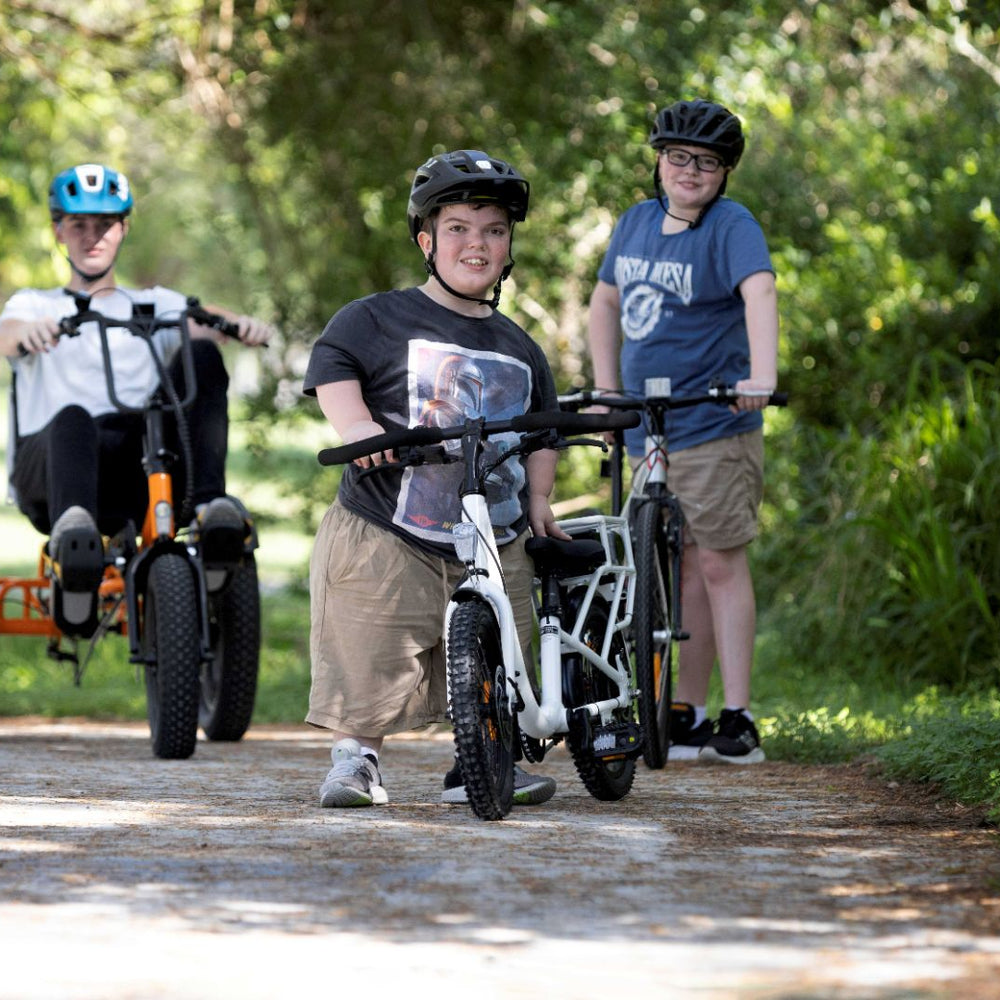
(448, 385)
(644, 284)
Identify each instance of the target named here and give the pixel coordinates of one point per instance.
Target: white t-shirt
(73, 371)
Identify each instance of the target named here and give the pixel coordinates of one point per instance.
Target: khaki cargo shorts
(720, 485)
(376, 626)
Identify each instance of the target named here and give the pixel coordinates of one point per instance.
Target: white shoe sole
(528, 795)
(709, 755)
(342, 796)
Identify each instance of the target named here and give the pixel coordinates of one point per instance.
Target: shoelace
(355, 766)
(729, 724)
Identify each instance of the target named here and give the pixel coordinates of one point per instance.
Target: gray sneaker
(354, 779)
(529, 789)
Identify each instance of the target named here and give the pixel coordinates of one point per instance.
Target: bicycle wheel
(480, 709)
(607, 778)
(171, 653)
(651, 623)
(229, 678)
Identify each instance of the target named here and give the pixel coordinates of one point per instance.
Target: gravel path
(122, 876)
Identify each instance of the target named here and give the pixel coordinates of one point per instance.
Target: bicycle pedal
(621, 740)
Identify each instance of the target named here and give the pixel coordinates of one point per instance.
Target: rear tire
(171, 651)
(480, 710)
(651, 621)
(229, 678)
(606, 778)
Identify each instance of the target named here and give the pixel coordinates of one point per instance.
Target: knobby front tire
(170, 646)
(229, 678)
(485, 736)
(652, 631)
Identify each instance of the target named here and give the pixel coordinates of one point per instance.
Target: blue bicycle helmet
(90, 189)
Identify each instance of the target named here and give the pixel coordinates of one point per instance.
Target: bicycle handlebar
(560, 421)
(142, 325)
(722, 394)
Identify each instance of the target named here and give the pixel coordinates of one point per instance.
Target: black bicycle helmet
(465, 175)
(700, 123)
(461, 177)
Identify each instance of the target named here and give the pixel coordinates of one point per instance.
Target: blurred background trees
(271, 145)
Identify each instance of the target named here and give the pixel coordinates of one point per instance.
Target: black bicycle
(656, 522)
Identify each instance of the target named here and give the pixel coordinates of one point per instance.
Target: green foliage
(952, 743)
(902, 575)
(112, 688)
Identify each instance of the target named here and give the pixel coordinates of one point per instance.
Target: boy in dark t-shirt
(384, 565)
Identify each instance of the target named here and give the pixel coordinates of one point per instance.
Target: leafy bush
(891, 564)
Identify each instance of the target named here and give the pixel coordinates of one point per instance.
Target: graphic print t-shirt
(682, 315)
(421, 364)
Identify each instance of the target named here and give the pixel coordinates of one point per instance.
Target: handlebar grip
(568, 422)
(390, 441)
(214, 320)
(778, 399)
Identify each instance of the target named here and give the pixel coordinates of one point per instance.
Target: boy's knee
(72, 418)
(210, 368)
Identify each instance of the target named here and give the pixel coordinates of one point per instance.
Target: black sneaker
(687, 739)
(222, 531)
(735, 742)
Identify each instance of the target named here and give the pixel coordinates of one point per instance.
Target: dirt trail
(122, 876)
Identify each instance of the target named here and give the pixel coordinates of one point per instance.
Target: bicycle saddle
(565, 559)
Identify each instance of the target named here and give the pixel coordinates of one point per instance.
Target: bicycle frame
(614, 580)
(652, 468)
(585, 667)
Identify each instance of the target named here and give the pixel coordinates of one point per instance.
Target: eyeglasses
(705, 162)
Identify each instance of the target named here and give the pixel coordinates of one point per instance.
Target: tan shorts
(377, 621)
(720, 485)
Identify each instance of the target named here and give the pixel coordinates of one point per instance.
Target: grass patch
(952, 743)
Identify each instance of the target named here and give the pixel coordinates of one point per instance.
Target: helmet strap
(89, 279)
(680, 218)
(431, 268)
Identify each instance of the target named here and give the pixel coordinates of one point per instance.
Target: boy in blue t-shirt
(687, 291)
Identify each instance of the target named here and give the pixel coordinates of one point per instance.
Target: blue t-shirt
(682, 315)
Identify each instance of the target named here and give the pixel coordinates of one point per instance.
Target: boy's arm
(344, 406)
(253, 332)
(760, 298)
(34, 335)
(604, 334)
(541, 466)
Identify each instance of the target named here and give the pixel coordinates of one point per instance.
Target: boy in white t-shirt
(74, 460)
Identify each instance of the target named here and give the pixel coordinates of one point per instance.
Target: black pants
(96, 462)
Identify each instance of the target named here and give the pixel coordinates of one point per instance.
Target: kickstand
(60, 655)
(99, 633)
